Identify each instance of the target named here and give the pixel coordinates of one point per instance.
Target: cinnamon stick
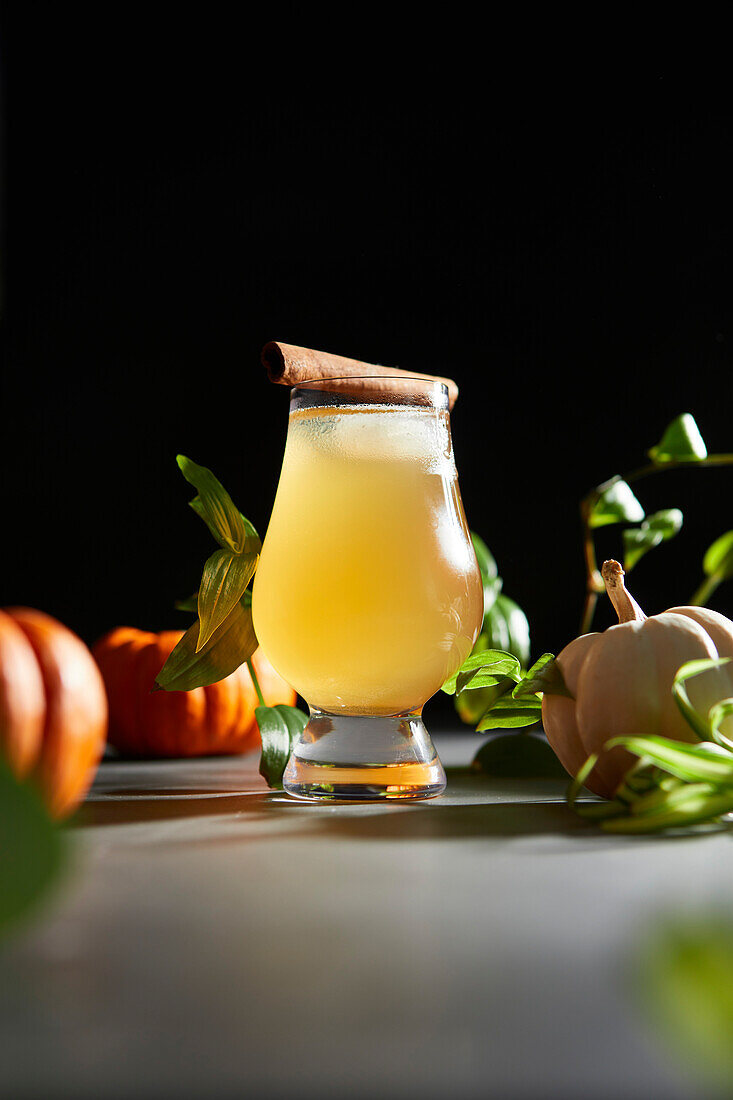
(291, 365)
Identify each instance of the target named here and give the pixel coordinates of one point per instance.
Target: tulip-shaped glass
(368, 594)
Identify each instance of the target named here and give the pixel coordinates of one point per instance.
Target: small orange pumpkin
(216, 719)
(53, 707)
(620, 682)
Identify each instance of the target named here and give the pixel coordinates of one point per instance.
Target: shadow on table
(473, 815)
(141, 806)
(477, 820)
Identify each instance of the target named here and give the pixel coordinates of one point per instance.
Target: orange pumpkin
(219, 718)
(53, 707)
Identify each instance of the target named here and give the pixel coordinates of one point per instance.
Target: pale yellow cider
(367, 595)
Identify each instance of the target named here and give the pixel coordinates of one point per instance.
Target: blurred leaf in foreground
(32, 849)
(684, 981)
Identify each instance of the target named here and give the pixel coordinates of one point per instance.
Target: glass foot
(361, 758)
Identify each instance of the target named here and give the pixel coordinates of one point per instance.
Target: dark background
(176, 194)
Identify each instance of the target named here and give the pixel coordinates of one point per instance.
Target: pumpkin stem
(624, 604)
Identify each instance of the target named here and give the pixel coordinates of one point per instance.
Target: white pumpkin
(621, 682)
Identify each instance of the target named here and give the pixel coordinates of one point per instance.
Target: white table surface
(215, 939)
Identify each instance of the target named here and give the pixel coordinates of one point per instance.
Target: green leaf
(718, 560)
(477, 659)
(489, 573)
(684, 975)
(492, 591)
(190, 603)
(692, 804)
(224, 579)
(275, 745)
(576, 784)
(280, 727)
(509, 713)
(642, 778)
(486, 561)
(482, 704)
(615, 503)
(657, 528)
(214, 505)
(472, 705)
(253, 542)
(705, 762)
(663, 798)
(295, 720)
(696, 791)
(544, 676)
(506, 627)
(598, 811)
(667, 522)
(694, 668)
(32, 849)
(681, 442)
(488, 674)
(716, 716)
(231, 644)
(515, 756)
(699, 723)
